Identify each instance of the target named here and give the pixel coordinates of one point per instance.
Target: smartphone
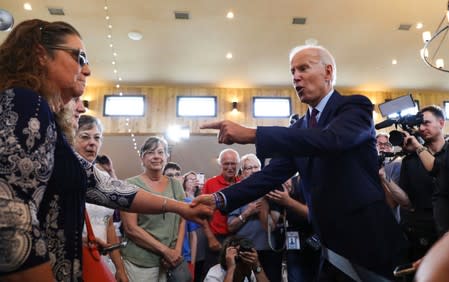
(403, 269)
(200, 178)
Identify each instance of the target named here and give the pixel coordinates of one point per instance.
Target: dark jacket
(337, 162)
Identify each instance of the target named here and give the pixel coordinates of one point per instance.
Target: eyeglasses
(229, 164)
(78, 54)
(177, 174)
(86, 137)
(384, 144)
(251, 167)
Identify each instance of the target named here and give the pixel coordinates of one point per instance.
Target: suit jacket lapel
(329, 109)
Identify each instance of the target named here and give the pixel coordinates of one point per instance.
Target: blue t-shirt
(190, 227)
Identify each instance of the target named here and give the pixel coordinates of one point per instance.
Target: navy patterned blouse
(43, 189)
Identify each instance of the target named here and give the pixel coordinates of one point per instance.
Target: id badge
(292, 240)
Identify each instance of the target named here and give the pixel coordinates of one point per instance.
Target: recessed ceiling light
(27, 6)
(182, 15)
(311, 41)
(230, 15)
(419, 25)
(298, 20)
(405, 27)
(394, 62)
(229, 55)
(135, 35)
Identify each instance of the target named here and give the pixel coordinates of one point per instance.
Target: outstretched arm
(145, 202)
(231, 132)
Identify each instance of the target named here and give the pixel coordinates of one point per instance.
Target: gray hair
(220, 157)
(151, 143)
(87, 122)
(249, 157)
(384, 134)
(326, 57)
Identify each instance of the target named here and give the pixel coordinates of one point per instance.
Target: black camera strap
(271, 228)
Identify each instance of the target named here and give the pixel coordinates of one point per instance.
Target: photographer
(238, 261)
(416, 186)
(433, 156)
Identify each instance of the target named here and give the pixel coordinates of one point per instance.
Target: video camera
(406, 123)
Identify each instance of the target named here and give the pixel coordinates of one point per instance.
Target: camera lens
(246, 245)
(396, 138)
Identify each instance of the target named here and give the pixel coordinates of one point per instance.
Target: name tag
(292, 240)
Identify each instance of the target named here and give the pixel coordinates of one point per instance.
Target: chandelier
(433, 43)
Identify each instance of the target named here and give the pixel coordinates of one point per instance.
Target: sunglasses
(78, 54)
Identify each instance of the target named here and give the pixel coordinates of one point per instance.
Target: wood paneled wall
(161, 105)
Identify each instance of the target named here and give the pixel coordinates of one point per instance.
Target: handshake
(201, 208)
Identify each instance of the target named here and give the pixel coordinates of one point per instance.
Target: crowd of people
(336, 202)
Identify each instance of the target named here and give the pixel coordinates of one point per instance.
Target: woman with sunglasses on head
(42, 67)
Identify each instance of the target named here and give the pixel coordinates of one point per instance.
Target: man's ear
(329, 72)
(441, 121)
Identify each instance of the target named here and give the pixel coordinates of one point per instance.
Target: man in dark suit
(334, 149)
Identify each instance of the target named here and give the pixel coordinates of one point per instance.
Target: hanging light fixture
(6, 20)
(433, 43)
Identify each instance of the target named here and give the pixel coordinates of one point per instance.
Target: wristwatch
(258, 269)
(242, 219)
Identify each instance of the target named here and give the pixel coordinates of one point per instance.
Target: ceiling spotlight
(394, 62)
(419, 25)
(27, 6)
(230, 15)
(135, 35)
(311, 42)
(229, 55)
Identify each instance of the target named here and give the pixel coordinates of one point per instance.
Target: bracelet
(421, 149)
(164, 208)
(242, 219)
(219, 201)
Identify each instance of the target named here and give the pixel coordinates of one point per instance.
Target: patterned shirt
(44, 186)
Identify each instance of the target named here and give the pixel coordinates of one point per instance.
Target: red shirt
(219, 222)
